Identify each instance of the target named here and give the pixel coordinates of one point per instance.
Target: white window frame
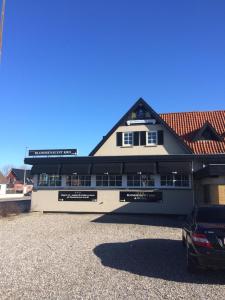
(108, 179)
(174, 186)
(49, 181)
(128, 145)
(82, 180)
(141, 179)
(152, 144)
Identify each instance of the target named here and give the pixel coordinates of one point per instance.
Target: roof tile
(186, 124)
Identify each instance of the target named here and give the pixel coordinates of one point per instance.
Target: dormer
(207, 133)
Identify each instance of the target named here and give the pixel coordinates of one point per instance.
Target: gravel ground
(69, 256)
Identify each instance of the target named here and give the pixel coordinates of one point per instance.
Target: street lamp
(25, 172)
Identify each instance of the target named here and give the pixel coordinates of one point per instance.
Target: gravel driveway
(69, 256)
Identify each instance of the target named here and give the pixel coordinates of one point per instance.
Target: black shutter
(160, 137)
(119, 139)
(142, 137)
(136, 138)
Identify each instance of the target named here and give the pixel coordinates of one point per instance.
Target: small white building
(2, 188)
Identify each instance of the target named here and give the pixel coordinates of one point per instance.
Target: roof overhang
(212, 170)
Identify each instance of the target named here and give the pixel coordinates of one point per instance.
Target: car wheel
(192, 264)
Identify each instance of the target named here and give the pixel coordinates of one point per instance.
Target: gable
(141, 118)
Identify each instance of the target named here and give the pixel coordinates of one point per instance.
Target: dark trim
(160, 137)
(119, 139)
(143, 138)
(152, 112)
(136, 138)
(204, 158)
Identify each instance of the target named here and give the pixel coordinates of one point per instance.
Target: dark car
(204, 238)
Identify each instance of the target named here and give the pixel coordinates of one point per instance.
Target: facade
(147, 163)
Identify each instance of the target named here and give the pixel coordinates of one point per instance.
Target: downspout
(193, 185)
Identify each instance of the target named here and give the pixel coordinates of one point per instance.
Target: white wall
(2, 189)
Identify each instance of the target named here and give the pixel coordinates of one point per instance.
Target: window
(177, 180)
(181, 180)
(43, 180)
(49, 180)
(167, 180)
(78, 180)
(151, 138)
(128, 139)
(140, 180)
(108, 180)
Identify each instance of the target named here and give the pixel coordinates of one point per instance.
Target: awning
(69, 169)
(113, 168)
(210, 171)
(170, 167)
(134, 168)
(48, 169)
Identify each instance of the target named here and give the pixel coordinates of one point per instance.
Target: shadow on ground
(152, 220)
(156, 258)
(14, 207)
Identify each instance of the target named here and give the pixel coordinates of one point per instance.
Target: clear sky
(71, 68)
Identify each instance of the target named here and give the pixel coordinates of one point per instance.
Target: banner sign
(149, 121)
(139, 196)
(77, 196)
(53, 152)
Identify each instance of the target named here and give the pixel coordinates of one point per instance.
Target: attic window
(140, 113)
(207, 133)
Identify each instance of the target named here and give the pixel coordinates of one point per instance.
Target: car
(203, 235)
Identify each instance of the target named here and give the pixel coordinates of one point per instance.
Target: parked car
(204, 238)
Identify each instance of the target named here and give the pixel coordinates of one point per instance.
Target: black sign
(139, 196)
(77, 196)
(50, 152)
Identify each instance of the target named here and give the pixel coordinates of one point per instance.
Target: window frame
(107, 178)
(49, 180)
(174, 180)
(123, 139)
(151, 144)
(139, 178)
(82, 180)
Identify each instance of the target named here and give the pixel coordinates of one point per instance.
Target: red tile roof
(187, 124)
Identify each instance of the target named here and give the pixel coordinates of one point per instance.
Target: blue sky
(70, 69)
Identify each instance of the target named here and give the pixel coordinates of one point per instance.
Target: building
(16, 179)
(147, 163)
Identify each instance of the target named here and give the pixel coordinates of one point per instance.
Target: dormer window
(207, 133)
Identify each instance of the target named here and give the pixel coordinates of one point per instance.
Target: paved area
(69, 256)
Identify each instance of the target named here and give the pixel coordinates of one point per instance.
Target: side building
(147, 163)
